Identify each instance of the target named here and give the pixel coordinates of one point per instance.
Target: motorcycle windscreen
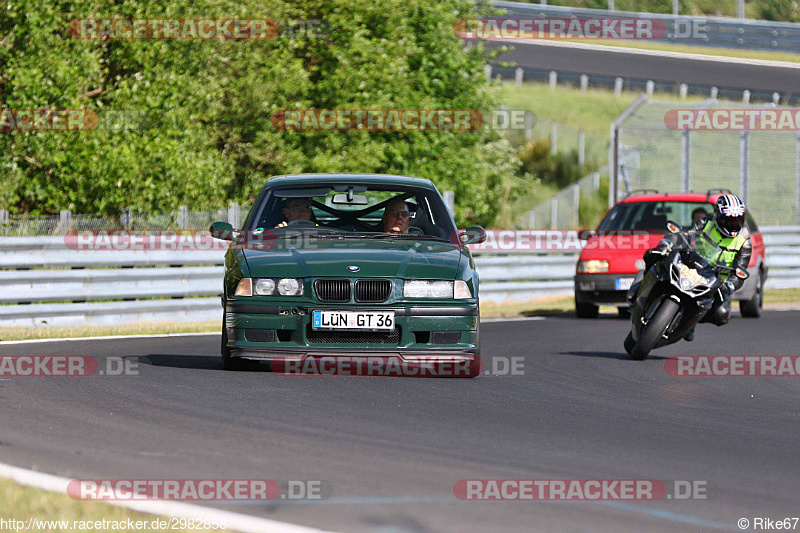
(709, 253)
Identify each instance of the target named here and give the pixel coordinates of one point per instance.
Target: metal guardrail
(44, 283)
(718, 31)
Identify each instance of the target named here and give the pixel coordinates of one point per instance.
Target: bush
(560, 169)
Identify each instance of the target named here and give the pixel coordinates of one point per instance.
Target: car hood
(374, 258)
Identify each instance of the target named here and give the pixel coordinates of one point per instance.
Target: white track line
(233, 521)
(658, 53)
(111, 337)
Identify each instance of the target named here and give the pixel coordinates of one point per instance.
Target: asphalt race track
(753, 77)
(392, 448)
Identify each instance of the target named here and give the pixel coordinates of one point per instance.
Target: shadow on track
(610, 355)
(195, 362)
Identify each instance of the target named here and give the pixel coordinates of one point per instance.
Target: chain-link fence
(32, 226)
(572, 207)
(683, 147)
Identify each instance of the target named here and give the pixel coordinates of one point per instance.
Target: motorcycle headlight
(690, 278)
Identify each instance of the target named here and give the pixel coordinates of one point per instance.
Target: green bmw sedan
(350, 267)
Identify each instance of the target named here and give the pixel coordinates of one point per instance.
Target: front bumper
(602, 289)
(422, 333)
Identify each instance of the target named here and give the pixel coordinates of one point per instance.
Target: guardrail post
(746, 97)
(183, 217)
(686, 159)
(488, 70)
(553, 77)
(531, 220)
(584, 82)
(234, 218)
(596, 181)
(649, 88)
(528, 126)
(450, 201)
(64, 221)
(683, 90)
(617, 86)
(740, 9)
(797, 182)
(125, 218)
(4, 222)
(776, 97)
(576, 204)
(611, 5)
(581, 148)
(744, 164)
(553, 212)
(714, 92)
(675, 8)
(553, 136)
(519, 75)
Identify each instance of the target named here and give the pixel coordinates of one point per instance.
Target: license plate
(353, 320)
(623, 284)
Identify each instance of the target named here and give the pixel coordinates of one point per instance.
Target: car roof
(673, 197)
(384, 179)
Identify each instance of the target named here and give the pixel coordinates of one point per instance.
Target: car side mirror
(222, 230)
(742, 273)
(473, 235)
(586, 234)
(673, 227)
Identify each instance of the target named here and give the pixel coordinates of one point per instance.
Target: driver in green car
(396, 217)
(296, 209)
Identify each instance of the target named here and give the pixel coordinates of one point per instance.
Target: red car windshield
(652, 216)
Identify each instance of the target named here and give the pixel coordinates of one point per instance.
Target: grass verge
(22, 503)
(148, 328)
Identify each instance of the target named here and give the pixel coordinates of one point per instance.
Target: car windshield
(653, 216)
(352, 210)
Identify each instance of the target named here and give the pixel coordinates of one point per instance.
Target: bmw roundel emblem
(353, 268)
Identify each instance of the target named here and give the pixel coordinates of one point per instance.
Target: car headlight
(421, 288)
(690, 278)
(270, 287)
(592, 266)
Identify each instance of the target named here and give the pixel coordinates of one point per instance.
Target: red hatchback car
(613, 254)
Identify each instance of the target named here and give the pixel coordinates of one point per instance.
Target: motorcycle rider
(726, 229)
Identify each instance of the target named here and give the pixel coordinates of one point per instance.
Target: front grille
(332, 290)
(353, 337)
(373, 290)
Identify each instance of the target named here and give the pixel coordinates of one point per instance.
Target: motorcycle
(676, 292)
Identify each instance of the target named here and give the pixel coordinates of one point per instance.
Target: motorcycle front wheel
(655, 329)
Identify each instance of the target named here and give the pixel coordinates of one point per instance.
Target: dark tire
(752, 308)
(584, 310)
(629, 343)
(655, 329)
(228, 361)
(624, 312)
